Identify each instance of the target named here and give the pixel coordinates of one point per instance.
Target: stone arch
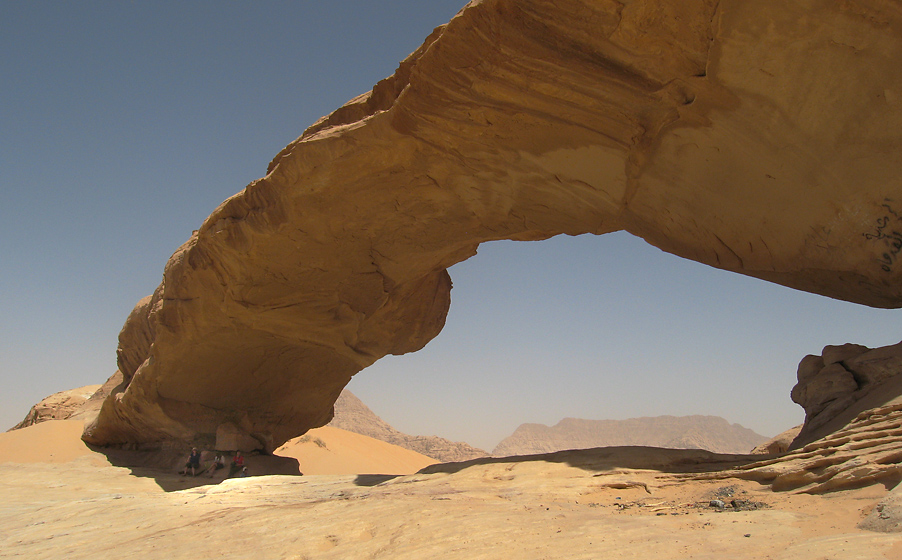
(678, 122)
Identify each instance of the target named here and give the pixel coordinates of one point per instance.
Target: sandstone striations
(841, 383)
(354, 416)
(758, 138)
(866, 451)
(677, 432)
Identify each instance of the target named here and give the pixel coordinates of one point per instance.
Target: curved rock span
(762, 139)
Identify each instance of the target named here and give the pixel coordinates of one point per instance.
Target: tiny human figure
(217, 464)
(237, 464)
(243, 472)
(193, 462)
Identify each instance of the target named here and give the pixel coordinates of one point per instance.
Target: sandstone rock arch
(760, 139)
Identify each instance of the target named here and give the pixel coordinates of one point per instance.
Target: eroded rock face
(759, 138)
(844, 381)
(863, 452)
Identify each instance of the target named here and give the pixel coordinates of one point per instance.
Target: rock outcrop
(886, 517)
(711, 433)
(354, 416)
(841, 383)
(868, 450)
(58, 406)
(780, 443)
(758, 138)
(83, 403)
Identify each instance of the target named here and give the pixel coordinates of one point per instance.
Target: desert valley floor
(63, 500)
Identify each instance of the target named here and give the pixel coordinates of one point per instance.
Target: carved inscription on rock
(888, 233)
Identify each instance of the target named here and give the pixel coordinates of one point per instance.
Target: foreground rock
(827, 500)
(760, 138)
(867, 451)
(677, 432)
(603, 503)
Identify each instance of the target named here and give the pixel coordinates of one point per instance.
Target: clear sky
(124, 124)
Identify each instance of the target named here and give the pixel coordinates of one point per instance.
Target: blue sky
(124, 124)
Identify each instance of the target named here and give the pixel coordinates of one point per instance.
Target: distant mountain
(712, 433)
(354, 416)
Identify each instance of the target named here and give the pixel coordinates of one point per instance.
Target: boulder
(230, 438)
(856, 378)
(759, 138)
(820, 390)
(780, 443)
(886, 517)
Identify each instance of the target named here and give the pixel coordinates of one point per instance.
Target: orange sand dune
(322, 451)
(334, 451)
(54, 441)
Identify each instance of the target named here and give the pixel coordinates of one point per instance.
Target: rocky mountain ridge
(711, 433)
(354, 416)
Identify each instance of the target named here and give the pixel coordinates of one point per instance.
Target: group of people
(236, 467)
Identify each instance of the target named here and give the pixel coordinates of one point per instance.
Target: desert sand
(329, 450)
(63, 500)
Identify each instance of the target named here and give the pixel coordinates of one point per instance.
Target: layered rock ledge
(758, 138)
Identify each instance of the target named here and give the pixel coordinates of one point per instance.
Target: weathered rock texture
(711, 433)
(780, 443)
(866, 451)
(886, 517)
(354, 416)
(58, 406)
(841, 383)
(761, 138)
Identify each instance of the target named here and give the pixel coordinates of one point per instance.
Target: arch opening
(609, 327)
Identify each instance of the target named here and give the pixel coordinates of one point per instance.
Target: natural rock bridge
(763, 138)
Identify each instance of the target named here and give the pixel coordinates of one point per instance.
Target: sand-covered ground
(62, 500)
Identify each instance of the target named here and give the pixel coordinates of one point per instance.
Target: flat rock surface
(518, 509)
(619, 503)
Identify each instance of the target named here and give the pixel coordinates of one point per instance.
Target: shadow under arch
(604, 459)
(163, 467)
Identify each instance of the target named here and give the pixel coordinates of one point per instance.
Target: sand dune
(53, 441)
(330, 450)
(321, 451)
